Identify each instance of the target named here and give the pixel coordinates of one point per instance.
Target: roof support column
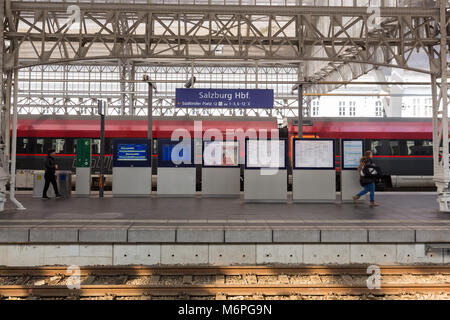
(440, 124)
(5, 111)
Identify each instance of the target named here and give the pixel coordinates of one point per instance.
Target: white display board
(221, 154)
(352, 151)
(265, 154)
(314, 154)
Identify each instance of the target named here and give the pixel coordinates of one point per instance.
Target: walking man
(50, 170)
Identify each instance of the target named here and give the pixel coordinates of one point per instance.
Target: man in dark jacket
(50, 170)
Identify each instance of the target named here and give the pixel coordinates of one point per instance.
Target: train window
(401, 147)
(420, 147)
(70, 148)
(398, 147)
(23, 145)
(95, 146)
(380, 147)
(39, 146)
(59, 145)
(375, 146)
(395, 147)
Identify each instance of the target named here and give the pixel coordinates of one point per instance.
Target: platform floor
(402, 218)
(396, 208)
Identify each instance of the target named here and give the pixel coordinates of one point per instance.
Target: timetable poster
(132, 152)
(352, 152)
(266, 153)
(314, 154)
(221, 153)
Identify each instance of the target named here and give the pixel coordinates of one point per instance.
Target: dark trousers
(50, 179)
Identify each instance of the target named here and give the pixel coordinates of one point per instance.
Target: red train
(401, 146)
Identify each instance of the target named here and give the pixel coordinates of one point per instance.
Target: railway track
(226, 270)
(214, 290)
(219, 288)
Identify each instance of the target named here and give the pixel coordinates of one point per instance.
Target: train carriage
(401, 146)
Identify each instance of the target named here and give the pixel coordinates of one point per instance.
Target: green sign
(83, 153)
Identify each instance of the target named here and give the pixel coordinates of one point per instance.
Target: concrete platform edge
(228, 234)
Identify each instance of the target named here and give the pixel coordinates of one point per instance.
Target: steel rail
(214, 289)
(226, 270)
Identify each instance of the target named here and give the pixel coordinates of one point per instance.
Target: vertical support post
(256, 74)
(440, 133)
(150, 113)
(8, 115)
(192, 73)
(123, 77)
(444, 90)
(436, 142)
(12, 185)
(132, 88)
(102, 109)
(300, 111)
(4, 116)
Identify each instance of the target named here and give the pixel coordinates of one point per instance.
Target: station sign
(223, 98)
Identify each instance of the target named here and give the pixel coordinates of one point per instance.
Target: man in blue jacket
(50, 170)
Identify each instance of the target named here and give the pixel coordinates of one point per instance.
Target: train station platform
(406, 227)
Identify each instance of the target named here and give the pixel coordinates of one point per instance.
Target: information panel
(352, 151)
(313, 154)
(83, 153)
(265, 154)
(224, 98)
(132, 152)
(129, 152)
(220, 153)
(175, 153)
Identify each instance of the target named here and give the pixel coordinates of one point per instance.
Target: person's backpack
(364, 178)
(368, 174)
(370, 171)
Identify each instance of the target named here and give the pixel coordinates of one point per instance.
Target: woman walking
(368, 174)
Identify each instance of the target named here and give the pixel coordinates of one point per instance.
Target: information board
(175, 153)
(224, 98)
(352, 151)
(129, 152)
(83, 153)
(265, 154)
(132, 152)
(313, 154)
(221, 153)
